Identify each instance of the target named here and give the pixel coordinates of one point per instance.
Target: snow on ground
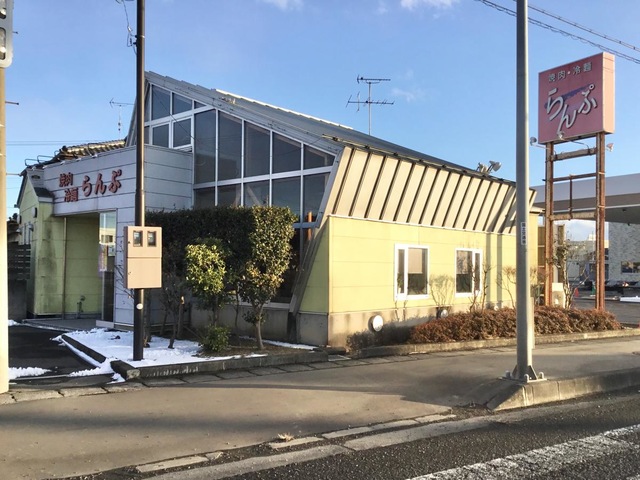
(17, 372)
(13, 323)
(116, 345)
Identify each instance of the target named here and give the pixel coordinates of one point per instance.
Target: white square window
(468, 272)
(411, 271)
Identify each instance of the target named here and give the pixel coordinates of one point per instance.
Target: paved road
(203, 413)
(34, 347)
(594, 440)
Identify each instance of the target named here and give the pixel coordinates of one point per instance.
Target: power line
(586, 29)
(553, 29)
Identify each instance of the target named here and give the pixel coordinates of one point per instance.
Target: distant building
(377, 222)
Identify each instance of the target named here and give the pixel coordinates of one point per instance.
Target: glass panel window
(229, 147)
(205, 147)
(204, 198)
(285, 192)
(182, 133)
(147, 106)
(314, 186)
(161, 135)
(468, 273)
(286, 154)
(180, 104)
(229, 195)
(146, 135)
(160, 103)
(315, 158)
(256, 193)
(256, 150)
(412, 271)
(198, 104)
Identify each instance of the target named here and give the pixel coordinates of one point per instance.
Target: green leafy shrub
(214, 339)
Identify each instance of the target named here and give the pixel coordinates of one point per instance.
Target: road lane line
(544, 460)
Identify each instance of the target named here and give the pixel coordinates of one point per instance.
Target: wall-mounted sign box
(142, 257)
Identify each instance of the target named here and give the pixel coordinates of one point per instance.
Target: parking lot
(34, 347)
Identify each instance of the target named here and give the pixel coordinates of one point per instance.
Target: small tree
(173, 288)
(507, 280)
(205, 274)
(442, 288)
(269, 260)
(560, 262)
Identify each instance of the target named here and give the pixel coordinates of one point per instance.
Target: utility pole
(138, 293)
(368, 101)
(523, 371)
(6, 56)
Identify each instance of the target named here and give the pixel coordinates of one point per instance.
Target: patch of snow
(17, 372)
(119, 345)
(13, 323)
(290, 345)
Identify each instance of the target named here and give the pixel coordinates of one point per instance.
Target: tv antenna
(119, 105)
(368, 101)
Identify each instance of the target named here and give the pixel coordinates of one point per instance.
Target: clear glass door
(106, 262)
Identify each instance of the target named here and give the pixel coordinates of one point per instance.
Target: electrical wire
(553, 29)
(581, 27)
(130, 36)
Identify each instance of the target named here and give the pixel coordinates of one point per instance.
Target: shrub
(391, 334)
(214, 339)
(488, 324)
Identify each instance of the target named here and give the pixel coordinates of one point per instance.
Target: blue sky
(452, 66)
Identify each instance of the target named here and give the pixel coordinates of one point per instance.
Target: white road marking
(544, 460)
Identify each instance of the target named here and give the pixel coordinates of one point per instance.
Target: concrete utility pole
(524, 309)
(6, 57)
(138, 293)
(4, 288)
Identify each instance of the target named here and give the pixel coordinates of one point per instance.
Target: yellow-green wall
(353, 269)
(48, 283)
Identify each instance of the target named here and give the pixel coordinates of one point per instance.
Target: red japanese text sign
(576, 100)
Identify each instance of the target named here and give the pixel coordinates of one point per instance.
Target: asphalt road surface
(34, 347)
(597, 439)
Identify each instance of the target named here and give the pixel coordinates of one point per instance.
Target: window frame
(476, 270)
(404, 294)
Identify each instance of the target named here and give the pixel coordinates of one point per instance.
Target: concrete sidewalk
(139, 423)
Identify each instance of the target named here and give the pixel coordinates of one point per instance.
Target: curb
(409, 349)
(130, 372)
(518, 395)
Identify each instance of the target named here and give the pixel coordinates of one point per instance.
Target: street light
(492, 167)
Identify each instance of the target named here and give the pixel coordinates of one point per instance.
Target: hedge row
(489, 324)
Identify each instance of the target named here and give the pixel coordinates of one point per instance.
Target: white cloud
(440, 4)
(285, 4)
(409, 96)
(382, 8)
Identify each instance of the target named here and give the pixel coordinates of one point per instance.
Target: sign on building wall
(88, 187)
(576, 100)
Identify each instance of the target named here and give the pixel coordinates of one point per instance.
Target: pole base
(528, 377)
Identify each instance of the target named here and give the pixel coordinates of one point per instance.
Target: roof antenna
(119, 105)
(368, 101)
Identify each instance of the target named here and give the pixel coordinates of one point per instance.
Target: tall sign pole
(524, 310)
(138, 293)
(6, 55)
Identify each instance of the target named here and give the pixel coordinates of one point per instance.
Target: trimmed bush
(214, 339)
(489, 324)
(391, 334)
